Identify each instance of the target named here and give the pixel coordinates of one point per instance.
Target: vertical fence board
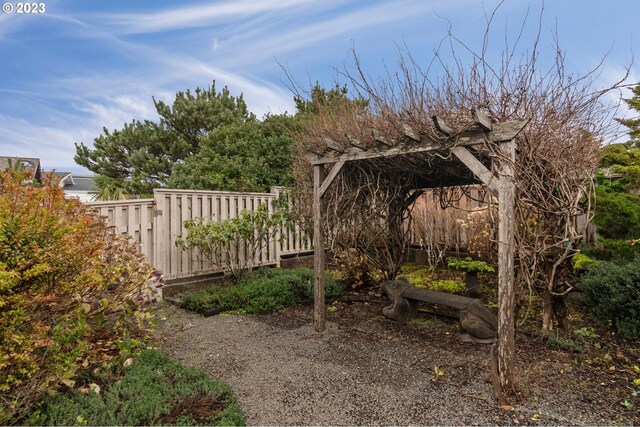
(186, 210)
(174, 226)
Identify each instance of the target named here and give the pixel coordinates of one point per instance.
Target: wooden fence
(467, 223)
(133, 217)
(157, 224)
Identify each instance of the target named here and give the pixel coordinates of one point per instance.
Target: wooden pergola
(460, 158)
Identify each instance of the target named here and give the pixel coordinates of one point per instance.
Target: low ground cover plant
(72, 293)
(151, 389)
(469, 265)
(264, 291)
(432, 278)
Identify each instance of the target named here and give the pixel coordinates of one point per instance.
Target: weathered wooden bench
(478, 322)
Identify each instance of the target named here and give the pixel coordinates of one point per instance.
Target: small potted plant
(471, 268)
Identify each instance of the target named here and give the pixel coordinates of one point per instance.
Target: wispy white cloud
(53, 145)
(262, 42)
(93, 98)
(195, 16)
(159, 52)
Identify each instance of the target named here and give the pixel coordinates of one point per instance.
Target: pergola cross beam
(335, 170)
(475, 166)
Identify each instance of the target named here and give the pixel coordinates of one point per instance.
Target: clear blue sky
(84, 65)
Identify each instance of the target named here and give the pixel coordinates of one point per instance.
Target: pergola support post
(505, 357)
(318, 251)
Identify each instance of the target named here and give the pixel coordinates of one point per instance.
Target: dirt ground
(368, 370)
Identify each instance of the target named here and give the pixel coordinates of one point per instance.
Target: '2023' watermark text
(24, 8)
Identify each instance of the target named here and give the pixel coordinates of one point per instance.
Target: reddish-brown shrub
(71, 292)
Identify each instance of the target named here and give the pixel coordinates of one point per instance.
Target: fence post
(159, 238)
(277, 245)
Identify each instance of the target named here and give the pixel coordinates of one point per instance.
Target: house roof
(66, 178)
(82, 183)
(29, 163)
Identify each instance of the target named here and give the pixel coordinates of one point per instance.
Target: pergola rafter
(431, 163)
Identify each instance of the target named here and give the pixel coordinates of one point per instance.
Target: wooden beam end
(441, 126)
(482, 120)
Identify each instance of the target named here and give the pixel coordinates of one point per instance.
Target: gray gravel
(363, 370)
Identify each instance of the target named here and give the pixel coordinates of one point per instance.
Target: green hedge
(612, 293)
(265, 291)
(153, 390)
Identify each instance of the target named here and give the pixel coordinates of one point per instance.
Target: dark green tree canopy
(617, 212)
(624, 158)
(140, 156)
(633, 124)
(319, 97)
(135, 158)
(252, 156)
(204, 140)
(194, 115)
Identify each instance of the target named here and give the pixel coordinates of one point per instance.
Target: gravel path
(364, 369)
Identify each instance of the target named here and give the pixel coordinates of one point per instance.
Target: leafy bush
(71, 292)
(617, 214)
(418, 275)
(581, 261)
(612, 249)
(565, 344)
(426, 276)
(586, 332)
(265, 291)
(250, 232)
(154, 390)
(355, 269)
(612, 293)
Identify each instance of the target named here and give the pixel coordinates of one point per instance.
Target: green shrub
(586, 332)
(612, 250)
(251, 231)
(564, 344)
(617, 214)
(612, 293)
(264, 291)
(154, 390)
(417, 275)
(581, 261)
(71, 292)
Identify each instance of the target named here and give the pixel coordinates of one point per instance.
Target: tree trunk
(554, 307)
(547, 311)
(560, 311)
(396, 248)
